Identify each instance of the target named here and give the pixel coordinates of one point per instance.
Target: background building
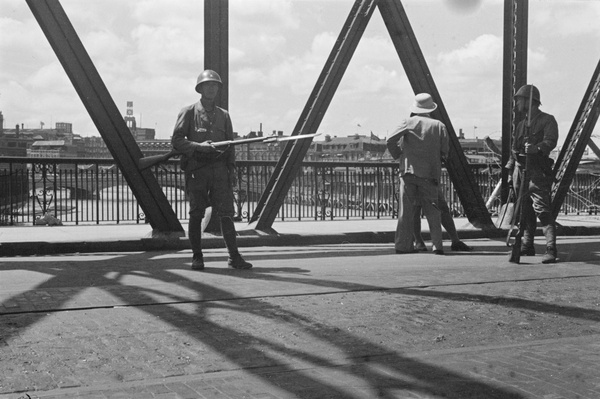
(60, 141)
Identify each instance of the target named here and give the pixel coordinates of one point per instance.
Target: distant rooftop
(48, 143)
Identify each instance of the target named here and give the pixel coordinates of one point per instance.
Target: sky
(150, 52)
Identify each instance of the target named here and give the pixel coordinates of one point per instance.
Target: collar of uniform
(200, 106)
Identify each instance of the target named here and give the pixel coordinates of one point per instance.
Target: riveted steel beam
(97, 100)
(216, 44)
(216, 57)
(514, 75)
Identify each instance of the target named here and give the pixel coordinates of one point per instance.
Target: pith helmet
(208, 76)
(526, 89)
(423, 104)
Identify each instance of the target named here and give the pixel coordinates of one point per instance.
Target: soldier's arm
(181, 142)
(550, 136)
(393, 142)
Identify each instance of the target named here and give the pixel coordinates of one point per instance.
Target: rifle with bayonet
(515, 253)
(147, 162)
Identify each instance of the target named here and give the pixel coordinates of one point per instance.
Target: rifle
(147, 162)
(515, 253)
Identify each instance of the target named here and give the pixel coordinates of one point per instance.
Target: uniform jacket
(424, 143)
(543, 133)
(195, 125)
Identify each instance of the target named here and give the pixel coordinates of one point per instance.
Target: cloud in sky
(151, 51)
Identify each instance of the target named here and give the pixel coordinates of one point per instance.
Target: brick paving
(325, 321)
(562, 368)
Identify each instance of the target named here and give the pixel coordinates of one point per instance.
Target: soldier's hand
(206, 146)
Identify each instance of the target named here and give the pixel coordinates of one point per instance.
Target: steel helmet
(208, 75)
(526, 89)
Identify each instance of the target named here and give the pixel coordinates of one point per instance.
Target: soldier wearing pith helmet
(534, 146)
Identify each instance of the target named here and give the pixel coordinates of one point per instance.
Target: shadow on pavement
(250, 351)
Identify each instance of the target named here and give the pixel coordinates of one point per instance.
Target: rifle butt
(148, 162)
(515, 253)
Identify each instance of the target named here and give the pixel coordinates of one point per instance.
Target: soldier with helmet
(542, 137)
(209, 173)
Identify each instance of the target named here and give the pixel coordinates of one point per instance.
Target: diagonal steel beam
(594, 148)
(578, 138)
(97, 100)
(420, 78)
(290, 161)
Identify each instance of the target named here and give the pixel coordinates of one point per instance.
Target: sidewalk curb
(31, 248)
(248, 239)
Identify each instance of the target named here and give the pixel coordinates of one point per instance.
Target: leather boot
(195, 236)
(530, 224)
(551, 255)
(198, 261)
(527, 248)
(235, 260)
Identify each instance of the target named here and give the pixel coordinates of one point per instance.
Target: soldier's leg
(230, 237)
(197, 192)
(549, 229)
(428, 194)
(448, 223)
(418, 238)
(403, 241)
(529, 221)
(541, 204)
(222, 200)
(195, 236)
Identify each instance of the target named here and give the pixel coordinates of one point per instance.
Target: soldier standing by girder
(541, 140)
(209, 172)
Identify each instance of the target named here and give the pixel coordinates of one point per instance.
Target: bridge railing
(94, 191)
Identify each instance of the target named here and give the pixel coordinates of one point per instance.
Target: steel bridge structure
(80, 69)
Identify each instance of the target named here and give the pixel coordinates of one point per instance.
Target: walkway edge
(248, 238)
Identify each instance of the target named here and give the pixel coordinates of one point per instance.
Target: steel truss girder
(97, 100)
(216, 57)
(291, 158)
(420, 78)
(516, 13)
(216, 44)
(578, 138)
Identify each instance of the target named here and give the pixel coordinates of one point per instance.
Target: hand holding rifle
(206, 147)
(211, 147)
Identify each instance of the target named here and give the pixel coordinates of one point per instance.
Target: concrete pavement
(317, 319)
